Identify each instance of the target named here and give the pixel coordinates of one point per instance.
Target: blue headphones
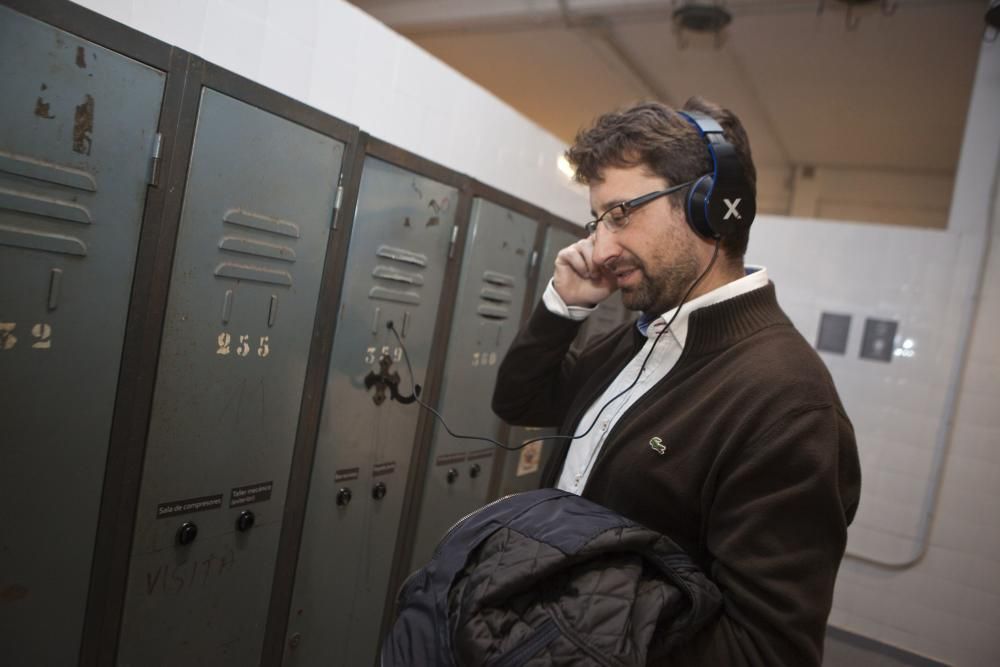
(723, 201)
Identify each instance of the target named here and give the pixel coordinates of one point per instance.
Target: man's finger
(586, 249)
(573, 257)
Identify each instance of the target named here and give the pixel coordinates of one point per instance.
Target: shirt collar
(754, 278)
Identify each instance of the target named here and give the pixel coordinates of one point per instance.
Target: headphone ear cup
(697, 207)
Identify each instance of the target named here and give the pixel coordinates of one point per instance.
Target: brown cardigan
(759, 477)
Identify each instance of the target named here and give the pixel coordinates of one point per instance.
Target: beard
(663, 282)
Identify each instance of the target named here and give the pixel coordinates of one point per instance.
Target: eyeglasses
(617, 217)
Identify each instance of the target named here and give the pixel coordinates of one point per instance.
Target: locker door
(487, 315)
(522, 469)
(250, 253)
(395, 272)
(77, 126)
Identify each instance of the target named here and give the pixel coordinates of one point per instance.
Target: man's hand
(578, 280)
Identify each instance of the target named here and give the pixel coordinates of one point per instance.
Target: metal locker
(257, 211)
(491, 294)
(400, 244)
(77, 129)
(522, 469)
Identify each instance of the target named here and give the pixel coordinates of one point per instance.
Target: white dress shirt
(584, 450)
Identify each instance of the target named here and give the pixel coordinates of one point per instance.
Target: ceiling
(867, 85)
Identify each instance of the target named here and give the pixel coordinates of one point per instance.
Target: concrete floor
(846, 649)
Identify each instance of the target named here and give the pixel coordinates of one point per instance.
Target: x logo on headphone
(731, 209)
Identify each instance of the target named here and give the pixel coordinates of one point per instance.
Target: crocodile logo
(656, 444)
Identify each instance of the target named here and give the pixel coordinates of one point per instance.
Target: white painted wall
(331, 56)
(336, 58)
(946, 604)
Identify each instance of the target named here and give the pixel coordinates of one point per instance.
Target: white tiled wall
(946, 605)
(330, 55)
(338, 59)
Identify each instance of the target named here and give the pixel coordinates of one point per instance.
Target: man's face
(655, 258)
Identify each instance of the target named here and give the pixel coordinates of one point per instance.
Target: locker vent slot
(50, 172)
(500, 279)
(264, 249)
(496, 295)
(397, 296)
(49, 207)
(493, 312)
(383, 272)
(21, 238)
(254, 273)
(401, 255)
(389, 273)
(237, 216)
(494, 303)
(248, 247)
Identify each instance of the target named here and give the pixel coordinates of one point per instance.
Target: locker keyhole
(186, 533)
(244, 521)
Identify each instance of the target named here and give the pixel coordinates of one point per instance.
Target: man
(715, 424)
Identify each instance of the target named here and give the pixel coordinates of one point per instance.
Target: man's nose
(606, 248)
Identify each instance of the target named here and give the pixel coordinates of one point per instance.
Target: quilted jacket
(549, 578)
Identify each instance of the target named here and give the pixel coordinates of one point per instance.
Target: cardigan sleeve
(535, 380)
(776, 531)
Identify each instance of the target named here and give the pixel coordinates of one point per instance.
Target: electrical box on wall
(877, 342)
(833, 331)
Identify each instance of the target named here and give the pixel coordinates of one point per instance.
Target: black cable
(417, 388)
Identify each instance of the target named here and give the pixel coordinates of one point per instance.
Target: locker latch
(386, 379)
(338, 201)
(451, 244)
(154, 169)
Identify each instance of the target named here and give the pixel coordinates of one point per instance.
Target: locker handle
(154, 160)
(451, 244)
(187, 533)
(244, 521)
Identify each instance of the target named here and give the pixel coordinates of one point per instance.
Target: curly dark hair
(653, 135)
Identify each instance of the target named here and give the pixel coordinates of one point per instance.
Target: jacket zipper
(469, 516)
